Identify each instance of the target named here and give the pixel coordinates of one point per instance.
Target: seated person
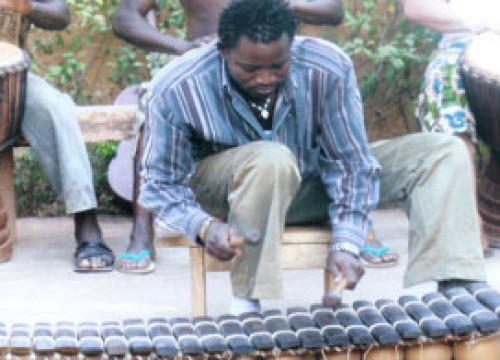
(245, 133)
(133, 23)
(443, 106)
(50, 126)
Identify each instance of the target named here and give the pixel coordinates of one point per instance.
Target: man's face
(258, 69)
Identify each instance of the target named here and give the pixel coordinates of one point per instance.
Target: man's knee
(273, 161)
(453, 149)
(46, 106)
(438, 147)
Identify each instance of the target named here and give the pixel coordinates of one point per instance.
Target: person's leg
(139, 257)
(443, 107)
(429, 174)
(49, 124)
(251, 186)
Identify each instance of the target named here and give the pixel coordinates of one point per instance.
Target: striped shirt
(192, 111)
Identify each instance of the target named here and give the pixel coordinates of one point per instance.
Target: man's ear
(222, 50)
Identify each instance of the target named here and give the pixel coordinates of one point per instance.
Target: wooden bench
(98, 123)
(303, 247)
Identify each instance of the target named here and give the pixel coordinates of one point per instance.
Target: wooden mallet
(251, 237)
(333, 289)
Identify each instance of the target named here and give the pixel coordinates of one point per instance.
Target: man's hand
(217, 241)
(22, 7)
(203, 40)
(346, 264)
(195, 43)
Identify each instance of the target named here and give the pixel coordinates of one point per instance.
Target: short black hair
(261, 21)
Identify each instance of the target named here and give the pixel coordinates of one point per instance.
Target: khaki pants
(257, 185)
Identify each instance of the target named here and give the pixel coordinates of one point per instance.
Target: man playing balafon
(265, 128)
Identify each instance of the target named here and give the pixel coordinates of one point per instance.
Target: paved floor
(39, 285)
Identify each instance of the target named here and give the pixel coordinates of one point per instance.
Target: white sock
(422, 288)
(241, 305)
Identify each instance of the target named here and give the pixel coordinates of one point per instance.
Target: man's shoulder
(193, 64)
(320, 54)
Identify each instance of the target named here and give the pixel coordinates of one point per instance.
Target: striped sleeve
(348, 170)
(166, 166)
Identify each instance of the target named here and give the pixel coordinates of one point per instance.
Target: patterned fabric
(192, 111)
(442, 103)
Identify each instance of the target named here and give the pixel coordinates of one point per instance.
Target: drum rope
(365, 355)
(474, 340)
(323, 355)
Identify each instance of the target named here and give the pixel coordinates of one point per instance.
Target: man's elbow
(62, 20)
(117, 24)
(338, 14)
(411, 10)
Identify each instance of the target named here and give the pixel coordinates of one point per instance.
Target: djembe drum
(460, 324)
(14, 64)
(480, 70)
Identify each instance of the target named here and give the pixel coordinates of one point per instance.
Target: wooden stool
(302, 248)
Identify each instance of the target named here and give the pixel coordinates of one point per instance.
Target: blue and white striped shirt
(192, 111)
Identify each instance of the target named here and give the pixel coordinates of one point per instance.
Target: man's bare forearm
(49, 14)
(318, 12)
(130, 24)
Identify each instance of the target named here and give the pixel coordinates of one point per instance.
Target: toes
(97, 262)
(84, 264)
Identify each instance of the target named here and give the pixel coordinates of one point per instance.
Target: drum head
(482, 55)
(10, 55)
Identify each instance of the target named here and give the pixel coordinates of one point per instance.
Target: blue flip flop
(137, 258)
(377, 252)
